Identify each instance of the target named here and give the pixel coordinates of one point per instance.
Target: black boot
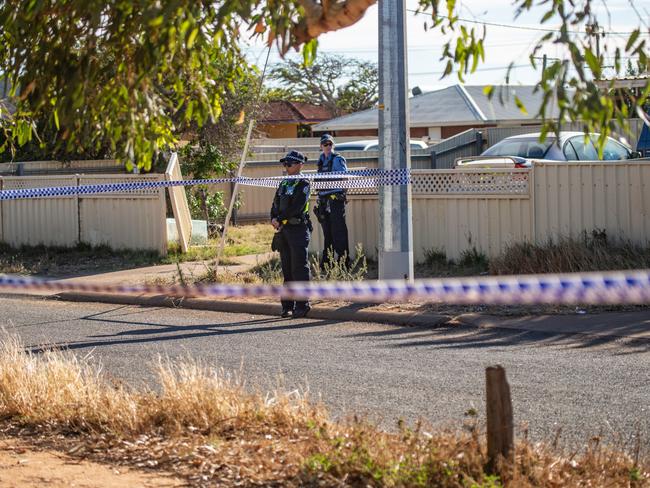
(301, 312)
(286, 312)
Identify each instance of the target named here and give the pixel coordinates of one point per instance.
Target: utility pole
(395, 212)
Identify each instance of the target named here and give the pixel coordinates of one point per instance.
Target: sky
(510, 42)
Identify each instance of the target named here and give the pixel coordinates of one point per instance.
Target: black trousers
(335, 231)
(294, 259)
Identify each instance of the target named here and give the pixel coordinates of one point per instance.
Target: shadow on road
(465, 337)
(155, 332)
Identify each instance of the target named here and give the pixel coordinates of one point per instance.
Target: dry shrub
(58, 388)
(204, 425)
(591, 252)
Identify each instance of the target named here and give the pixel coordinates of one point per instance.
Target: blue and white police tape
(366, 178)
(620, 287)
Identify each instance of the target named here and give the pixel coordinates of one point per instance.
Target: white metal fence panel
(124, 220)
(24, 168)
(48, 221)
(571, 199)
(453, 211)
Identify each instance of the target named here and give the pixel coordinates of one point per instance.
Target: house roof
(454, 105)
(632, 81)
(300, 112)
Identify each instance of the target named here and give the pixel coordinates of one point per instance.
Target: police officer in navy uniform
(330, 208)
(290, 218)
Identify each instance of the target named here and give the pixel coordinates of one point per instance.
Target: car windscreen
(523, 147)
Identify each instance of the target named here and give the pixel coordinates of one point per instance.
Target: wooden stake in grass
(500, 432)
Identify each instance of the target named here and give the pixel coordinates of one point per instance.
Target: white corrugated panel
(49, 221)
(574, 198)
(124, 220)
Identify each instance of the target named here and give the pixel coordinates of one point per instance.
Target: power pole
(395, 212)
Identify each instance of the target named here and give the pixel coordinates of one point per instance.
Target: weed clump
(471, 262)
(337, 270)
(591, 252)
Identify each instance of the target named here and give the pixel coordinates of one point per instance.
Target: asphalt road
(585, 386)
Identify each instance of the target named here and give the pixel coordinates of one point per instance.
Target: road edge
(353, 312)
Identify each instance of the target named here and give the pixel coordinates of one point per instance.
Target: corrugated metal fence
(123, 220)
(460, 210)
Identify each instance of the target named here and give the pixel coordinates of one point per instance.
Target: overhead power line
(493, 68)
(513, 26)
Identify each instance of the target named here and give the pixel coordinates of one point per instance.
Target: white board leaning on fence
(180, 206)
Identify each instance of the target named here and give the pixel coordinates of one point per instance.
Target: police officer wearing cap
(290, 218)
(330, 207)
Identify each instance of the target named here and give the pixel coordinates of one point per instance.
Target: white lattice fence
(464, 182)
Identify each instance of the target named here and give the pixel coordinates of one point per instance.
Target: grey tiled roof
(495, 111)
(454, 105)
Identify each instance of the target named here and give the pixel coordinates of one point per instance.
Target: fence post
(433, 160)
(500, 432)
(479, 142)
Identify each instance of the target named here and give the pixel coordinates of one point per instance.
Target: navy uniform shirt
(335, 162)
(291, 200)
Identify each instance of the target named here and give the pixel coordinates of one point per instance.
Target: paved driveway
(583, 385)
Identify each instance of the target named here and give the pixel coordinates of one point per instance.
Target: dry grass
(591, 252)
(204, 425)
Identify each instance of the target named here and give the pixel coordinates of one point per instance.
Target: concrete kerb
(350, 313)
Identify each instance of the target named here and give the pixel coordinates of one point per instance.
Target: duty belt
(332, 196)
(295, 220)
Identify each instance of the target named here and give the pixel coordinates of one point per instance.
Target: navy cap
(326, 138)
(294, 157)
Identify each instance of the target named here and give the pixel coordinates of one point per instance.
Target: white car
(372, 145)
(520, 151)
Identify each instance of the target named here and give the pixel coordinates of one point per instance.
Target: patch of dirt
(23, 465)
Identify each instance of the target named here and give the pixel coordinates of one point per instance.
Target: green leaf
(309, 51)
(192, 37)
(548, 15)
(448, 69)
(632, 39)
(593, 62)
(488, 91)
(520, 105)
(155, 22)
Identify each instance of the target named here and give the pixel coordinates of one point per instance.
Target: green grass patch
(241, 241)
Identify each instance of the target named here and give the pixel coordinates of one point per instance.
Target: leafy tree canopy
(123, 71)
(341, 84)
